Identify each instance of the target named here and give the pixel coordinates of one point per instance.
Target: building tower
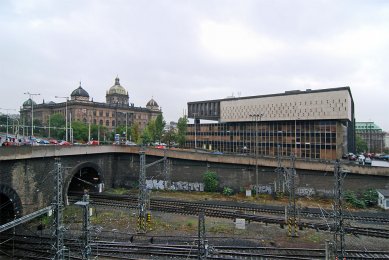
(117, 94)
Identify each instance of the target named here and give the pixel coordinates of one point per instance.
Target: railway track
(222, 211)
(28, 248)
(310, 213)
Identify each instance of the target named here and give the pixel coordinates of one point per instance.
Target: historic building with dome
(116, 111)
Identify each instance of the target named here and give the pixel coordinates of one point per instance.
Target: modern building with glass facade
(372, 134)
(315, 124)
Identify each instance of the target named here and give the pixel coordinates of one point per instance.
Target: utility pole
(339, 241)
(142, 198)
(202, 242)
(291, 208)
(58, 210)
(279, 182)
(166, 170)
(32, 110)
(86, 227)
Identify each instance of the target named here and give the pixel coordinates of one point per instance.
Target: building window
(107, 122)
(113, 122)
(101, 122)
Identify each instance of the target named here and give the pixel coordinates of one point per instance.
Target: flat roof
(286, 93)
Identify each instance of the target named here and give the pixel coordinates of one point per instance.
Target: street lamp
(66, 116)
(279, 144)
(126, 113)
(295, 137)
(195, 128)
(255, 117)
(32, 110)
(7, 109)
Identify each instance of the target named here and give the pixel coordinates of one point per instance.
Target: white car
(368, 160)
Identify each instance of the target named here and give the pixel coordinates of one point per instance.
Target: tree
(211, 181)
(80, 131)
(57, 121)
(149, 133)
(361, 145)
(182, 128)
(159, 127)
(135, 133)
(169, 137)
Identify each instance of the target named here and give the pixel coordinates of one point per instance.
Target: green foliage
(159, 127)
(211, 181)
(228, 191)
(148, 135)
(169, 137)
(80, 131)
(57, 121)
(367, 198)
(360, 144)
(135, 133)
(182, 128)
(370, 197)
(352, 198)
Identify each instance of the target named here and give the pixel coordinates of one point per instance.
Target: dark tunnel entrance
(86, 179)
(7, 211)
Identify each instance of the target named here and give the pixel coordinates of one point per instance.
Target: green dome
(117, 88)
(28, 102)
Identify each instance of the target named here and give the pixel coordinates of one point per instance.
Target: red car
(93, 142)
(53, 141)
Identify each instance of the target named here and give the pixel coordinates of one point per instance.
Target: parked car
(53, 141)
(352, 157)
(130, 143)
(368, 161)
(385, 157)
(64, 143)
(216, 152)
(44, 142)
(93, 142)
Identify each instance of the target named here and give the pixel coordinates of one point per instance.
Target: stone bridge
(27, 173)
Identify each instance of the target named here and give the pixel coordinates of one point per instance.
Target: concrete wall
(29, 171)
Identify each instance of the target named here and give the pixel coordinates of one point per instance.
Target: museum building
(116, 111)
(311, 124)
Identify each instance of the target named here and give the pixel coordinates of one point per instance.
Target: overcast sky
(179, 51)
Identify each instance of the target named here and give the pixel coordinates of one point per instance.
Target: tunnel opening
(7, 210)
(85, 179)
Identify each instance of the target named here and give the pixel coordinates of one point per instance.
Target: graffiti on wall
(179, 185)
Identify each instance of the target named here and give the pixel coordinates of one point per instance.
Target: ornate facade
(115, 112)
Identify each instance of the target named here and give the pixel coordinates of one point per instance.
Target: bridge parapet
(29, 152)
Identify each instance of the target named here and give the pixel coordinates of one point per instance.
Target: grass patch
(117, 191)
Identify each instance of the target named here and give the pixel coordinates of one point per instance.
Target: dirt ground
(223, 231)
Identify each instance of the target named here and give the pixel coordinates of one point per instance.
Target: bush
(370, 197)
(211, 181)
(351, 197)
(228, 191)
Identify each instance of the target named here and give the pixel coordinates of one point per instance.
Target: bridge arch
(10, 204)
(84, 176)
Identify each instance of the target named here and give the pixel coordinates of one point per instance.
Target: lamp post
(126, 121)
(255, 117)
(7, 109)
(195, 129)
(66, 116)
(295, 137)
(278, 140)
(32, 110)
